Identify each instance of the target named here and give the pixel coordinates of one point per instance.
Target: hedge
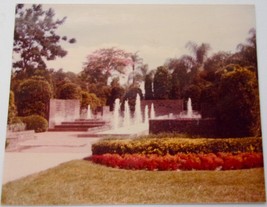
(172, 146)
(35, 122)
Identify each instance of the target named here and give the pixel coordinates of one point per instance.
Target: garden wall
(164, 107)
(203, 127)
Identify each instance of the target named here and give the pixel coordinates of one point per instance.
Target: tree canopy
(101, 63)
(35, 38)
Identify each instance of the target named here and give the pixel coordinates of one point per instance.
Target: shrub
(163, 146)
(32, 97)
(36, 123)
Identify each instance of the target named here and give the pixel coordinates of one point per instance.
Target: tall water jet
(152, 112)
(89, 114)
(137, 112)
(146, 115)
(116, 115)
(127, 118)
(189, 108)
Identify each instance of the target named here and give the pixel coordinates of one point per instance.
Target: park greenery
(224, 84)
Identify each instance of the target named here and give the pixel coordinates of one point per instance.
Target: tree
(117, 92)
(35, 38)
(180, 76)
(131, 95)
(238, 107)
(199, 53)
(149, 94)
(247, 52)
(32, 97)
(136, 61)
(89, 99)
(69, 91)
(161, 83)
(101, 63)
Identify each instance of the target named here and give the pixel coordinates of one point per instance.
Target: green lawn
(82, 182)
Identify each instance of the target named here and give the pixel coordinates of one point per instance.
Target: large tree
(103, 62)
(35, 38)
(161, 83)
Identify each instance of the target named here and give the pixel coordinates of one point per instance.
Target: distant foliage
(149, 87)
(89, 99)
(161, 83)
(101, 63)
(69, 91)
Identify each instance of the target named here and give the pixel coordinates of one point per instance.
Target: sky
(156, 32)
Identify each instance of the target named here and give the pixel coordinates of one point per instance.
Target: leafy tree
(35, 38)
(59, 78)
(149, 86)
(215, 63)
(69, 91)
(248, 50)
(32, 97)
(101, 90)
(180, 77)
(161, 83)
(89, 99)
(238, 107)
(101, 63)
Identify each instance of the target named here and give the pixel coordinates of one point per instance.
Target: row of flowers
(181, 161)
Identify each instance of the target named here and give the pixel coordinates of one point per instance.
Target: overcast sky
(157, 32)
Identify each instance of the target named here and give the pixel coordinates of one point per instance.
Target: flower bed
(181, 161)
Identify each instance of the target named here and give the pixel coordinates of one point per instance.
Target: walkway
(49, 149)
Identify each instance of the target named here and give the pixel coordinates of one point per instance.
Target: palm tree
(135, 61)
(200, 53)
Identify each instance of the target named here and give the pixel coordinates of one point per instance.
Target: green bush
(35, 122)
(172, 145)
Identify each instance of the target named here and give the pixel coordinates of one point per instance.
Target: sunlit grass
(82, 182)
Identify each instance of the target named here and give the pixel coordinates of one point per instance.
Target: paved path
(49, 149)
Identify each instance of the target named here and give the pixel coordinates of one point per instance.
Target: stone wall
(203, 127)
(63, 110)
(164, 107)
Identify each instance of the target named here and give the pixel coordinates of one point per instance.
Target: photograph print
(134, 104)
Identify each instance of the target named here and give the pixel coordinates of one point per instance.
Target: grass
(82, 182)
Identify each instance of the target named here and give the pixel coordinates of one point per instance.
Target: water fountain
(127, 115)
(189, 113)
(89, 113)
(152, 112)
(186, 122)
(125, 126)
(116, 116)
(146, 116)
(137, 112)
